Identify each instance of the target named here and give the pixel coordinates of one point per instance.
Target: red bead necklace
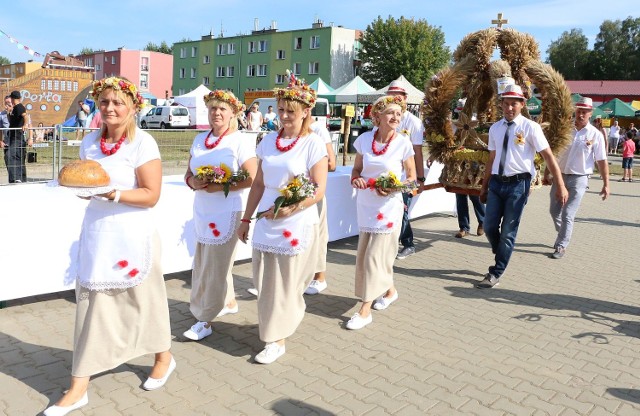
(114, 149)
(285, 148)
(209, 145)
(386, 146)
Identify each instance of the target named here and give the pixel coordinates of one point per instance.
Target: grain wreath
(475, 77)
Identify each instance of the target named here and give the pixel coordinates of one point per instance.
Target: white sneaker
(358, 322)
(315, 287)
(271, 352)
(383, 303)
(226, 311)
(253, 291)
(198, 331)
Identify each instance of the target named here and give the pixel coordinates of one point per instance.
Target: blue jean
(462, 206)
(406, 233)
(505, 204)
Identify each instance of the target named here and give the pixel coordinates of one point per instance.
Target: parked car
(143, 113)
(166, 117)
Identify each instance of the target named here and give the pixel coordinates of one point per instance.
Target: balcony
(144, 68)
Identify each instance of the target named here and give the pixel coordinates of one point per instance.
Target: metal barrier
(53, 147)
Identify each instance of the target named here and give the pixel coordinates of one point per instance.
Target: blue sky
(45, 25)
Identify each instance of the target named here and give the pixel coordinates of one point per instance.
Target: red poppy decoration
(216, 233)
(294, 242)
(389, 225)
(286, 233)
(123, 263)
(371, 183)
(212, 225)
(133, 272)
(380, 216)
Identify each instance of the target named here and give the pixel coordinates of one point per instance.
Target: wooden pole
(347, 133)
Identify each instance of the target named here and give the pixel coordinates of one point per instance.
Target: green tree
(163, 47)
(4, 60)
(408, 47)
(617, 49)
(570, 54)
(86, 51)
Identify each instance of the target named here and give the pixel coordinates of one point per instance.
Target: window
(297, 68)
(106, 59)
(183, 54)
(314, 42)
(49, 84)
(262, 70)
(251, 70)
(56, 85)
(262, 46)
(206, 59)
(280, 79)
(205, 81)
(180, 91)
(98, 67)
(69, 86)
(62, 86)
(251, 47)
(221, 49)
(144, 80)
(193, 73)
(194, 51)
(113, 60)
(231, 71)
(144, 65)
(182, 73)
(75, 86)
(314, 67)
(43, 84)
(297, 43)
(280, 54)
(221, 71)
(231, 48)
(88, 62)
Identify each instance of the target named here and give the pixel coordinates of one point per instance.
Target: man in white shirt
(576, 164)
(412, 127)
(513, 143)
(269, 119)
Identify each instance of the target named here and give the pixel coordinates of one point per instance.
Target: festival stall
(197, 108)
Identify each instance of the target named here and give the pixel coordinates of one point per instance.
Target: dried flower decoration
(226, 97)
(118, 84)
(297, 90)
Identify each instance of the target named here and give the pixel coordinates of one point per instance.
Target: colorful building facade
(259, 60)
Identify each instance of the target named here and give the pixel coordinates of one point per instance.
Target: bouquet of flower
(222, 175)
(297, 190)
(389, 182)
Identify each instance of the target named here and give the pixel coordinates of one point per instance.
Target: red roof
(604, 87)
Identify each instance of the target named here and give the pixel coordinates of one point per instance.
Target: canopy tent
(194, 101)
(635, 104)
(414, 95)
(598, 112)
(351, 92)
(534, 105)
(321, 87)
(617, 108)
(575, 97)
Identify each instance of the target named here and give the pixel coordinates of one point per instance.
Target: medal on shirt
(519, 138)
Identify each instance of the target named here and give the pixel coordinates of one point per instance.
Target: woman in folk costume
(380, 152)
(121, 311)
(216, 215)
(284, 242)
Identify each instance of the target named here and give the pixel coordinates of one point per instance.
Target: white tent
(194, 101)
(351, 92)
(415, 96)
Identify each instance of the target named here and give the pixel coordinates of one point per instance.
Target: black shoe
(406, 252)
(488, 282)
(559, 253)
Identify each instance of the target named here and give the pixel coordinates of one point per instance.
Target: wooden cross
(499, 21)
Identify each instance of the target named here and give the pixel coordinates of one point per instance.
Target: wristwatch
(421, 179)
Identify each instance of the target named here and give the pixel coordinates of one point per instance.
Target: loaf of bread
(83, 174)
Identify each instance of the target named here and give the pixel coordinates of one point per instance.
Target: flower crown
(383, 102)
(224, 96)
(117, 84)
(297, 90)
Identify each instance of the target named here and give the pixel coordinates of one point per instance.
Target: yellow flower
(203, 170)
(286, 193)
(227, 173)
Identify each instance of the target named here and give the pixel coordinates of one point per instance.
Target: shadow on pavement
(630, 395)
(296, 407)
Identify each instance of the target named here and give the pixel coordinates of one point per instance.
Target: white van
(166, 117)
(319, 112)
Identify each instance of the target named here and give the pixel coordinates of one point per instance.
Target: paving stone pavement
(557, 337)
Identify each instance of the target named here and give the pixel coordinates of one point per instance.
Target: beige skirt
(281, 281)
(115, 326)
(211, 278)
(374, 264)
(323, 237)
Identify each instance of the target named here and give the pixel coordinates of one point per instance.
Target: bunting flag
(20, 45)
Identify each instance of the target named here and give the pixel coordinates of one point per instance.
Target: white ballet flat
(156, 383)
(63, 410)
